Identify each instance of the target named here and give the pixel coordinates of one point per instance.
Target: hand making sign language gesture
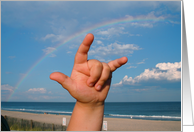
(89, 84)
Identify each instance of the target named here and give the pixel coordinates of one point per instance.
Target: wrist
(87, 117)
(91, 105)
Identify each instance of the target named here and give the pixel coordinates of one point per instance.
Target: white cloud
(49, 50)
(53, 37)
(150, 25)
(6, 91)
(169, 66)
(58, 38)
(102, 59)
(140, 90)
(68, 52)
(37, 90)
(44, 97)
(112, 31)
(99, 42)
(149, 16)
(48, 36)
(174, 22)
(142, 62)
(114, 49)
(131, 67)
(163, 71)
(7, 87)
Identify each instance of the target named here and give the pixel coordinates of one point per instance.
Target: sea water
(170, 111)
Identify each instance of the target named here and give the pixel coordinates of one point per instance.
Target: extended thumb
(61, 78)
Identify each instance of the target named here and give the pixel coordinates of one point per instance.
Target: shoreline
(113, 124)
(138, 117)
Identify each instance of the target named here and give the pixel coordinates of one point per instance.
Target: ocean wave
(42, 111)
(146, 116)
(109, 115)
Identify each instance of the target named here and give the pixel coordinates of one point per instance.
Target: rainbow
(76, 35)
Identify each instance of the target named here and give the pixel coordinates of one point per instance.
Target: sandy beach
(113, 124)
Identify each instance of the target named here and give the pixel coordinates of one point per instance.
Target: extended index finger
(82, 53)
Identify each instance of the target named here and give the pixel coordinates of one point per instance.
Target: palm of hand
(81, 91)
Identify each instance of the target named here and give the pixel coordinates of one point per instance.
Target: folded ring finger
(106, 71)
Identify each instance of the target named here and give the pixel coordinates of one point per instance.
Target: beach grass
(30, 125)
(24, 128)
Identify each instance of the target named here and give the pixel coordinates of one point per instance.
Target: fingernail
(98, 87)
(91, 84)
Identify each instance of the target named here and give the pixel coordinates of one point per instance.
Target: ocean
(168, 111)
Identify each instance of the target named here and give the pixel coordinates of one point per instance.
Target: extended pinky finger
(117, 63)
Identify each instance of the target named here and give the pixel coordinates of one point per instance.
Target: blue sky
(31, 30)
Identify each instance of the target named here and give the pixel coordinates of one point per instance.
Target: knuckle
(94, 78)
(106, 67)
(102, 82)
(95, 64)
(104, 78)
(98, 64)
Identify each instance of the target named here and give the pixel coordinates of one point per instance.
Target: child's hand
(90, 79)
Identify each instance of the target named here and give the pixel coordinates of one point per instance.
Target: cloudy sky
(38, 38)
